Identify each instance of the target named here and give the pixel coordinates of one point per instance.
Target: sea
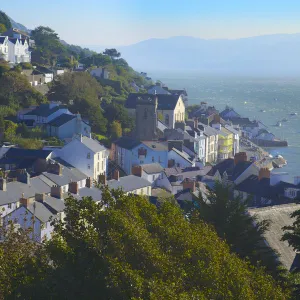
(269, 100)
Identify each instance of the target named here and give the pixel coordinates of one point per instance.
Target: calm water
(277, 97)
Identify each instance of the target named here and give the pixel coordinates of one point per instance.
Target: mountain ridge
(259, 54)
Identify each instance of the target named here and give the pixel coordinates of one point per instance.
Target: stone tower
(146, 117)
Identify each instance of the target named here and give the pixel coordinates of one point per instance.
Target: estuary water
(269, 100)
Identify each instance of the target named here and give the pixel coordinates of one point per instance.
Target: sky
(125, 22)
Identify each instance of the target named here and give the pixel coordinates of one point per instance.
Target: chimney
(56, 192)
(23, 176)
(175, 144)
(116, 174)
(137, 171)
(171, 163)
(55, 168)
(196, 122)
(180, 125)
(40, 197)
(264, 173)
(239, 157)
(102, 179)
(189, 184)
(3, 186)
(25, 201)
(296, 180)
(73, 187)
(88, 183)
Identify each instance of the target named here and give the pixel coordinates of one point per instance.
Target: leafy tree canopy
(113, 53)
(4, 19)
(131, 250)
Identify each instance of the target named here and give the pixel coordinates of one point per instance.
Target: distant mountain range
(277, 55)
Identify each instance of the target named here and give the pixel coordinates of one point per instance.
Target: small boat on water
(262, 110)
(293, 114)
(284, 120)
(278, 124)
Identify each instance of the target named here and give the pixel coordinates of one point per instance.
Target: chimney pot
(88, 182)
(102, 179)
(116, 174)
(137, 171)
(189, 184)
(240, 157)
(73, 187)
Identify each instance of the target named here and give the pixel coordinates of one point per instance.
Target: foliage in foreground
(131, 250)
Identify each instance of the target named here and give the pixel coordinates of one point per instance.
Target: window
(167, 120)
(153, 177)
(159, 159)
(89, 167)
(98, 156)
(102, 165)
(152, 158)
(88, 156)
(9, 205)
(98, 166)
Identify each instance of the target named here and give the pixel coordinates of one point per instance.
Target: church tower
(146, 117)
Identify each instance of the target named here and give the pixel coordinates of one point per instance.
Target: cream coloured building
(170, 108)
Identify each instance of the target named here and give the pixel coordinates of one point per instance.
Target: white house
(44, 113)
(37, 214)
(67, 126)
(18, 51)
(85, 154)
(151, 172)
(4, 47)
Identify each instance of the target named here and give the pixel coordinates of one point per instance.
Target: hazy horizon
(119, 23)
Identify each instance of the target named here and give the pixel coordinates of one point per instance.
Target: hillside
(261, 55)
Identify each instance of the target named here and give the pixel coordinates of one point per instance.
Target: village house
(170, 108)
(151, 172)
(229, 113)
(4, 48)
(44, 113)
(100, 73)
(85, 154)
(128, 152)
(66, 126)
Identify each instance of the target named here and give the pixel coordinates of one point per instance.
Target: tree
(48, 45)
(243, 233)
(115, 130)
(2, 28)
(117, 112)
(97, 120)
(4, 66)
(10, 130)
(98, 60)
(124, 247)
(112, 53)
(4, 19)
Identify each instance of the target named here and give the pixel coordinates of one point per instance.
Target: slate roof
(69, 174)
(92, 144)
(16, 189)
(54, 204)
(244, 122)
(2, 39)
(13, 40)
(61, 120)
(27, 153)
(178, 92)
(93, 192)
(279, 216)
(183, 154)
(156, 145)
(152, 168)
(40, 211)
(128, 183)
(233, 171)
(164, 102)
(44, 110)
(190, 172)
(127, 142)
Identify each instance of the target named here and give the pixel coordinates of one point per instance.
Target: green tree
(98, 60)
(2, 28)
(97, 120)
(117, 112)
(243, 233)
(4, 66)
(4, 19)
(112, 53)
(23, 130)
(10, 130)
(115, 130)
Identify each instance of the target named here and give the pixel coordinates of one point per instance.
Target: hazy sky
(123, 22)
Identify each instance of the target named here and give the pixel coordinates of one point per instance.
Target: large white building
(15, 50)
(87, 155)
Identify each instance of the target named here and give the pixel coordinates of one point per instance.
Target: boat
(293, 114)
(284, 120)
(278, 124)
(262, 110)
